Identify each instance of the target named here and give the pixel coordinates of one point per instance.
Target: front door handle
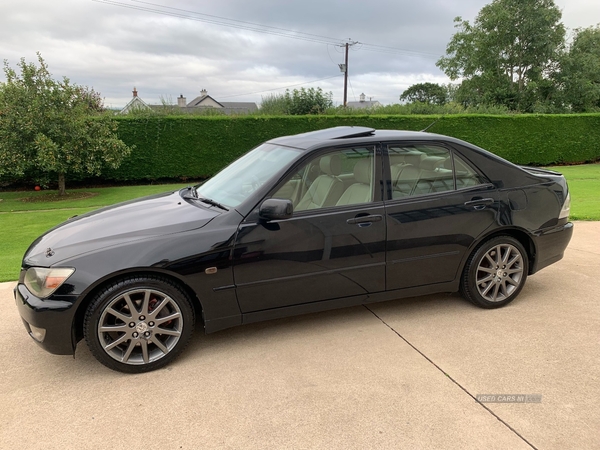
(480, 203)
(364, 219)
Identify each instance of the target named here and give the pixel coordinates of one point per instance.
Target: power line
(256, 28)
(235, 20)
(156, 8)
(278, 89)
(394, 50)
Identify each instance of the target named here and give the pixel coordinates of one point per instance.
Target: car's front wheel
(495, 273)
(138, 324)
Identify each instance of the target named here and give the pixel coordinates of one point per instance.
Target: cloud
(114, 48)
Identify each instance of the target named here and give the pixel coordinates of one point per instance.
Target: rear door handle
(364, 219)
(480, 203)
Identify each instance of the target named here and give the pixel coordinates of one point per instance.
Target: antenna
(431, 124)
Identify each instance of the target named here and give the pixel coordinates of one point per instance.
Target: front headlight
(42, 281)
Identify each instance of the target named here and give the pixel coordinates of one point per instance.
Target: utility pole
(344, 68)
(346, 77)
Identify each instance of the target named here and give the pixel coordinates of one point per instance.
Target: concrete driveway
(401, 374)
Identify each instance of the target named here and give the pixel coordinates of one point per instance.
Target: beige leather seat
(405, 173)
(360, 191)
(327, 188)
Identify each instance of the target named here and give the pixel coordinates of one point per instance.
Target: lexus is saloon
(304, 223)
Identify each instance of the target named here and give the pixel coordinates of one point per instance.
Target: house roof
(134, 103)
(200, 103)
(246, 106)
(202, 98)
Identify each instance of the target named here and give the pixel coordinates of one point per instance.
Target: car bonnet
(116, 225)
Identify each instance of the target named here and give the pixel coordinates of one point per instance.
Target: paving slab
(546, 342)
(401, 374)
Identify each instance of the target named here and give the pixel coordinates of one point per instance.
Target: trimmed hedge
(197, 147)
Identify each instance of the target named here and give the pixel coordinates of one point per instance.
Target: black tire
(495, 272)
(146, 339)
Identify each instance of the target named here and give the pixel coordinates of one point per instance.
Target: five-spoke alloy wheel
(138, 324)
(495, 273)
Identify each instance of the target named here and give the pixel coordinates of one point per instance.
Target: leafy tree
(580, 71)
(297, 102)
(509, 49)
(54, 126)
(430, 93)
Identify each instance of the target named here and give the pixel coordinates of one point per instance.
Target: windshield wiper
(210, 201)
(194, 196)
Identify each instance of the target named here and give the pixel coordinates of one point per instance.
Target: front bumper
(550, 246)
(52, 320)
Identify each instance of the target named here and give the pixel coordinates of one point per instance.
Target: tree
(430, 93)
(580, 71)
(297, 102)
(54, 126)
(509, 49)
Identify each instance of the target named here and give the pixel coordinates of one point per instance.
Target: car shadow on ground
(287, 329)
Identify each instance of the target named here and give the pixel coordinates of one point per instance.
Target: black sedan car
(305, 223)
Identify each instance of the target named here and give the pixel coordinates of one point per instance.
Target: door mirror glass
(276, 209)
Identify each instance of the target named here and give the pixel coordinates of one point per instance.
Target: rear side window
(427, 169)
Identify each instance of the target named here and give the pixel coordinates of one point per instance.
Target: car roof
(334, 136)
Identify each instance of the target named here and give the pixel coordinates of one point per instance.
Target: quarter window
(465, 175)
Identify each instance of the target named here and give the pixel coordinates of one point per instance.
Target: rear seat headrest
(431, 162)
(414, 158)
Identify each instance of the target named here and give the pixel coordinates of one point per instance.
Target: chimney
(181, 102)
(362, 97)
(134, 92)
(203, 92)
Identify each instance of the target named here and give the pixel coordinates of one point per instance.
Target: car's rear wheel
(138, 324)
(495, 273)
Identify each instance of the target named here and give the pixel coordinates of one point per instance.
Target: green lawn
(584, 184)
(22, 222)
(13, 201)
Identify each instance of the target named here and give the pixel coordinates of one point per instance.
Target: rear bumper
(48, 322)
(550, 246)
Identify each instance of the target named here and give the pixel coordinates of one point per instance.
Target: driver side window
(338, 178)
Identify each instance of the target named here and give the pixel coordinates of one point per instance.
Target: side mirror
(276, 209)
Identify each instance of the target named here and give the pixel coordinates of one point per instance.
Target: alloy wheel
(499, 272)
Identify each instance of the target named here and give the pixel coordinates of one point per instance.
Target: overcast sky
(113, 48)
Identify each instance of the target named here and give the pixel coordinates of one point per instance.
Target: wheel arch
(520, 235)
(90, 293)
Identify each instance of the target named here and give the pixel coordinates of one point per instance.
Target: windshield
(234, 184)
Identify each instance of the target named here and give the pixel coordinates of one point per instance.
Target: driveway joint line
(452, 379)
(582, 250)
